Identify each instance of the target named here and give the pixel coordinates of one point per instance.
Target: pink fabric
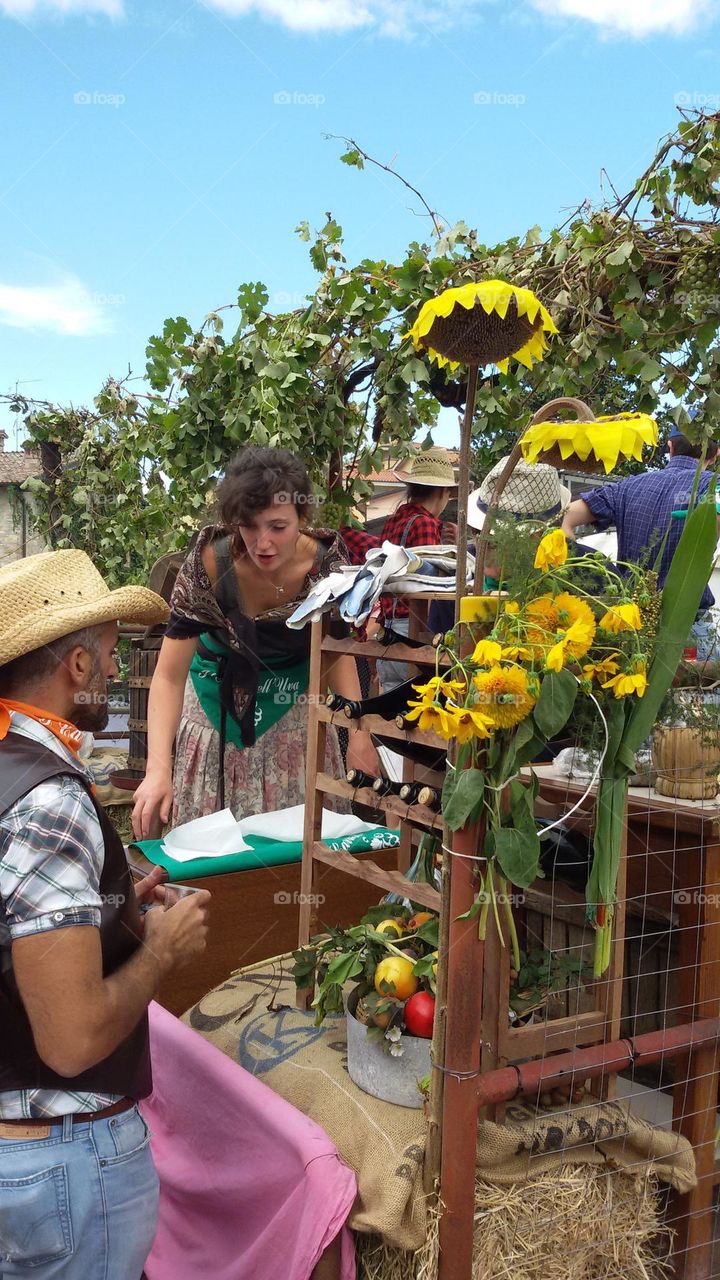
(250, 1188)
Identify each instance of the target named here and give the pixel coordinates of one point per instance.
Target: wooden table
(254, 915)
(673, 866)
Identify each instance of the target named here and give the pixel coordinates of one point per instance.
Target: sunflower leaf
(557, 699)
(466, 796)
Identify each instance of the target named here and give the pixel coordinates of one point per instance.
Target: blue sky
(156, 155)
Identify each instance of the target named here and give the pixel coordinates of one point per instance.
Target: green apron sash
(278, 691)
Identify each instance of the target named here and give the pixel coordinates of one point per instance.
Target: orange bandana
(69, 735)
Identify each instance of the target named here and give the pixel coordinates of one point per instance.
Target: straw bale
(574, 1223)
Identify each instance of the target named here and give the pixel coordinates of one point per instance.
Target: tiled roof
(16, 467)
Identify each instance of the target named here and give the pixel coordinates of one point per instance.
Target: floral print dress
(271, 774)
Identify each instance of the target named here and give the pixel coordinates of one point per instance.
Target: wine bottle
(413, 748)
(335, 701)
(357, 778)
(386, 636)
(431, 798)
(410, 791)
(386, 787)
(385, 705)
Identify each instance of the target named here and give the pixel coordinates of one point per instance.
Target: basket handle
(547, 412)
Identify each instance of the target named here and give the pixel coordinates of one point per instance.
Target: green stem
(482, 918)
(512, 931)
(493, 899)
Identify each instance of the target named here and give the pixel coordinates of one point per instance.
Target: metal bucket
(379, 1073)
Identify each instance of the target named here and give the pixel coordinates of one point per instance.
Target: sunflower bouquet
(568, 628)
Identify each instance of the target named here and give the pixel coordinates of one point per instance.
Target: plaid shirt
(51, 857)
(425, 531)
(641, 509)
(358, 543)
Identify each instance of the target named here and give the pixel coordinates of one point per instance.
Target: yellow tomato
(390, 926)
(397, 973)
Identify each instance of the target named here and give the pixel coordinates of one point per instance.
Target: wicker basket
(582, 413)
(687, 767)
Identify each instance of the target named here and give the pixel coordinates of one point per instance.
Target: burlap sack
(529, 1144)
(252, 1017)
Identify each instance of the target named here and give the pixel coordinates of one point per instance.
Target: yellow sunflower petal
(493, 297)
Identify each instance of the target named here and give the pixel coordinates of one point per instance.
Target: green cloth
(264, 853)
(278, 690)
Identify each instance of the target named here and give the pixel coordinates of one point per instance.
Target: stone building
(17, 537)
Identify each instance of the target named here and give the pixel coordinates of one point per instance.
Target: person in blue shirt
(648, 508)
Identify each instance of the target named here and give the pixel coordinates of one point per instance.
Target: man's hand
(148, 891)
(178, 936)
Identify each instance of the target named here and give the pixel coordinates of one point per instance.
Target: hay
(121, 817)
(576, 1223)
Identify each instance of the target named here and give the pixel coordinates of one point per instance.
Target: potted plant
(392, 955)
(686, 741)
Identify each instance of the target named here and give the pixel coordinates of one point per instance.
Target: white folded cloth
(212, 836)
(288, 824)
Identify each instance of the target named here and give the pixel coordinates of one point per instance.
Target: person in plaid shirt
(416, 523)
(79, 963)
(648, 513)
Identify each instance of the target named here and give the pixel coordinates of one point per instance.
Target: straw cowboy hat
(47, 596)
(431, 467)
(531, 493)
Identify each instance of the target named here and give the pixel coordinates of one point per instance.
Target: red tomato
(418, 1014)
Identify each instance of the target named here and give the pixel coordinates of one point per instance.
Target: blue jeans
(80, 1204)
(391, 674)
(703, 633)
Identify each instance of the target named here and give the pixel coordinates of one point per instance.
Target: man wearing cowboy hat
(532, 494)
(79, 964)
(415, 523)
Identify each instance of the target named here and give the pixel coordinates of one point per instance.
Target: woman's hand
(152, 805)
(361, 753)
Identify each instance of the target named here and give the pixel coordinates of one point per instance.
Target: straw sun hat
(47, 596)
(431, 467)
(531, 493)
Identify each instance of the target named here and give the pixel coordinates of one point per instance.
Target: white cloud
(633, 17)
(65, 307)
(28, 8)
(389, 17)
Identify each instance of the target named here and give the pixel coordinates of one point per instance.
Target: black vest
(24, 764)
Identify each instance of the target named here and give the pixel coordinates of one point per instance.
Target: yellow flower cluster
(501, 678)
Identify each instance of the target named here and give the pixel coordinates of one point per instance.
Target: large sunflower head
(483, 323)
(541, 618)
(591, 445)
(504, 695)
(576, 621)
